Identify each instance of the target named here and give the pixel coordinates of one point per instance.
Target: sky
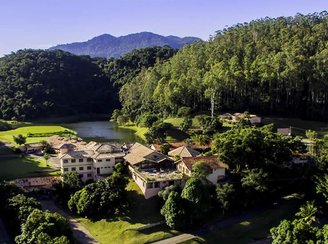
(41, 24)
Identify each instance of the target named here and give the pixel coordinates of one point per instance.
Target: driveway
(81, 234)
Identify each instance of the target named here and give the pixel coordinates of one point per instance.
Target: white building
(218, 168)
(151, 170)
(92, 162)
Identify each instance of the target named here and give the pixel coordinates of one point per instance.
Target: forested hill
(107, 46)
(277, 66)
(37, 83)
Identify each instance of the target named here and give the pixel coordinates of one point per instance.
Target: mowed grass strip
(122, 229)
(35, 133)
(13, 168)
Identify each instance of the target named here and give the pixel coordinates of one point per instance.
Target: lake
(102, 131)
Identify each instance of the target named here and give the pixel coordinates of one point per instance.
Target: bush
(184, 111)
(147, 120)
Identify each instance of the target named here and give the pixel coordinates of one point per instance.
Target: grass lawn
(252, 229)
(176, 122)
(122, 229)
(13, 168)
(139, 131)
(299, 126)
(34, 133)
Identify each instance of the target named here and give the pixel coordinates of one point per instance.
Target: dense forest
(271, 66)
(36, 83)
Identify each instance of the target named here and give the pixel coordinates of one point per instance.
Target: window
(65, 169)
(73, 160)
(150, 185)
(99, 160)
(89, 159)
(89, 175)
(156, 184)
(73, 169)
(81, 160)
(65, 161)
(81, 168)
(89, 167)
(108, 160)
(81, 175)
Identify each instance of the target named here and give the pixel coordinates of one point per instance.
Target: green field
(122, 229)
(13, 168)
(176, 121)
(252, 229)
(35, 133)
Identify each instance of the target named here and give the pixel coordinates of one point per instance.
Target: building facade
(94, 161)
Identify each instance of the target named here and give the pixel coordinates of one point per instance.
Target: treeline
(37, 83)
(27, 222)
(272, 66)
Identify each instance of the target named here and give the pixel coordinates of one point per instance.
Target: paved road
(4, 237)
(176, 239)
(81, 234)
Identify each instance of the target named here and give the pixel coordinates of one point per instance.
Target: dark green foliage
(20, 139)
(100, 198)
(200, 170)
(122, 120)
(303, 229)
(198, 198)
(164, 193)
(252, 148)
(158, 132)
(209, 124)
(184, 111)
(174, 211)
(270, 66)
(70, 184)
(7, 190)
(37, 83)
(186, 124)
(147, 120)
(20, 207)
(165, 148)
(42, 227)
(322, 186)
(225, 194)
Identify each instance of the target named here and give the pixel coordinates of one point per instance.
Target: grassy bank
(35, 133)
(139, 131)
(13, 168)
(123, 229)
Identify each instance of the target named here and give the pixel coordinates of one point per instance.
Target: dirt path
(81, 234)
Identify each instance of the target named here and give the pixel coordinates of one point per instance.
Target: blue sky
(44, 23)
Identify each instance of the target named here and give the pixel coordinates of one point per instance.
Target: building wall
(216, 174)
(106, 166)
(182, 168)
(150, 189)
(80, 166)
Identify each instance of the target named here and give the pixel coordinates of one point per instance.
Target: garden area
(124, 228)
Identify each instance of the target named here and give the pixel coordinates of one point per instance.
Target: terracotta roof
(212, 161)
(183, 152)
(139, 153)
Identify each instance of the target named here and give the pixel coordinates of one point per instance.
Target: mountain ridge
(107, 46)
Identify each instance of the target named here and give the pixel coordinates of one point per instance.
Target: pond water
(102, 131)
